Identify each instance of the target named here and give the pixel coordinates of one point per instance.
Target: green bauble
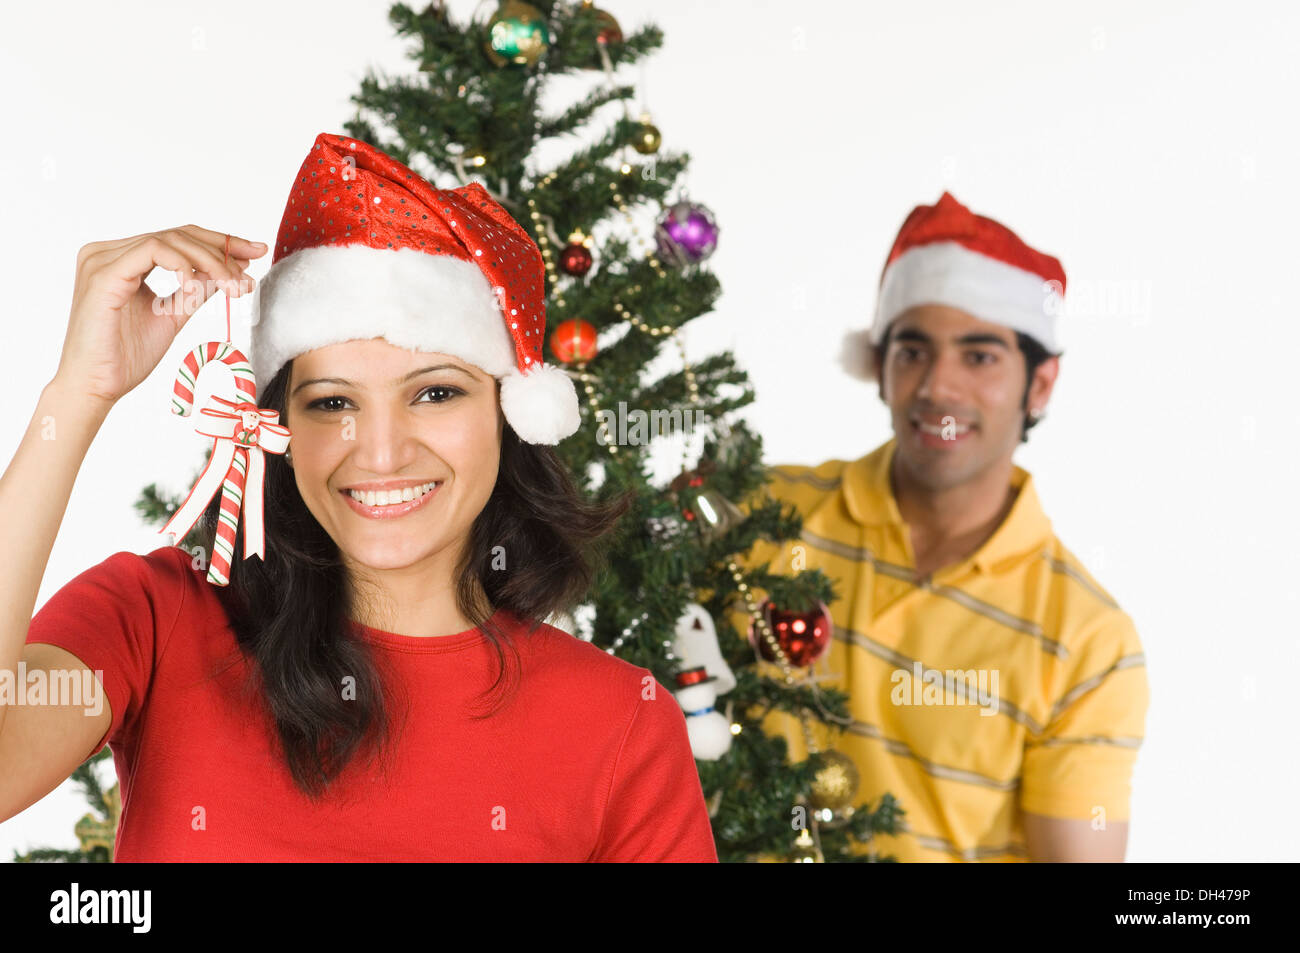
(517, 34)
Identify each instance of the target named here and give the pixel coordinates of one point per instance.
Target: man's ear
(1044, 379)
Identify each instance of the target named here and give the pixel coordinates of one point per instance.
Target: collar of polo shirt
(870, 501)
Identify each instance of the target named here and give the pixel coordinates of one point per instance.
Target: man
(996, 689)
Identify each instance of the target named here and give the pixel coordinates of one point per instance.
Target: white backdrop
(1151, 147)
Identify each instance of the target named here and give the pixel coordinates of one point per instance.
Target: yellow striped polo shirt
(1010, 681)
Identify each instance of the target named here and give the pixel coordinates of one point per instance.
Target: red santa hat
(946, 254)
(367, 248)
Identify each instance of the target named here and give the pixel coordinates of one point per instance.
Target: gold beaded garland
(585, 379)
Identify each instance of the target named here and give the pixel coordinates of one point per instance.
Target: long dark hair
(290, 610)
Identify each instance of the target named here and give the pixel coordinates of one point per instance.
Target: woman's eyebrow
(414, 374)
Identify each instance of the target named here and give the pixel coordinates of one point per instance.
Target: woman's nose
(384, 441)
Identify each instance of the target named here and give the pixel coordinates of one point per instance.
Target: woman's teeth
(389, 497)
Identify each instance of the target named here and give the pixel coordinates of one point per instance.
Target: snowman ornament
(707, 729)
(695, 642)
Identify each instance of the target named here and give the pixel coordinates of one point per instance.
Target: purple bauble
(687, 233)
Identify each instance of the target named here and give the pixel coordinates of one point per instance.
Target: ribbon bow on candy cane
(243, 433)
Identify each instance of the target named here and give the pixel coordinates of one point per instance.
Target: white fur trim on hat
(334, 293)
(856, 356)
(541, 404)
(951, 274)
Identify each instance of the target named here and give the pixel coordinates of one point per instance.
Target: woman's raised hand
(119, 329)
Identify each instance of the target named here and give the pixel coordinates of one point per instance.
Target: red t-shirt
(588, 761)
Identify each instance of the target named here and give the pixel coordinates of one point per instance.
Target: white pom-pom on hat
(857, 355)
(540, 404)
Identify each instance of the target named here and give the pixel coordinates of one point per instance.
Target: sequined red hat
(367, 248)
(946, 254)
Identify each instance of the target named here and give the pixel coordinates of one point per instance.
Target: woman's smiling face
(368, 412)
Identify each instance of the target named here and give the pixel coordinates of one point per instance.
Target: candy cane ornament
(187, 376)
(242, 434)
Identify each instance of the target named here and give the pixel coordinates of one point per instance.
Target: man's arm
(1077, 772)
(1061, 840)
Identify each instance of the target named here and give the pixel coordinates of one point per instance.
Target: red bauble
(574, 340)
(575, 259)
(804, 637)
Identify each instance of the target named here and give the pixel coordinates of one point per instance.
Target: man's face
(955, 386)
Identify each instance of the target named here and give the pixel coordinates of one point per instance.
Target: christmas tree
(619, 291)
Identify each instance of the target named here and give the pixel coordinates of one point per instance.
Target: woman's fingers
(197, 267)
(186, 251)
(135, 262)
(205, 256)
(239, 247)
(127, 267)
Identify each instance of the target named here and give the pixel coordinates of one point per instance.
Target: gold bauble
(647, 139)
(835, 785)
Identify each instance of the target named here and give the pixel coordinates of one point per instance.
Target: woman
(378, 685)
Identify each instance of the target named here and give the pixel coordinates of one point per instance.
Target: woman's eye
(320, 404)
(446, 394)
(450, 392)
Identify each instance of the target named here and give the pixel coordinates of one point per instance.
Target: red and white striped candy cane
(242, 433)
(187, 377)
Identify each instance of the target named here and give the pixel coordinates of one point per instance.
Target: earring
(1036, 413)
(288, 457)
